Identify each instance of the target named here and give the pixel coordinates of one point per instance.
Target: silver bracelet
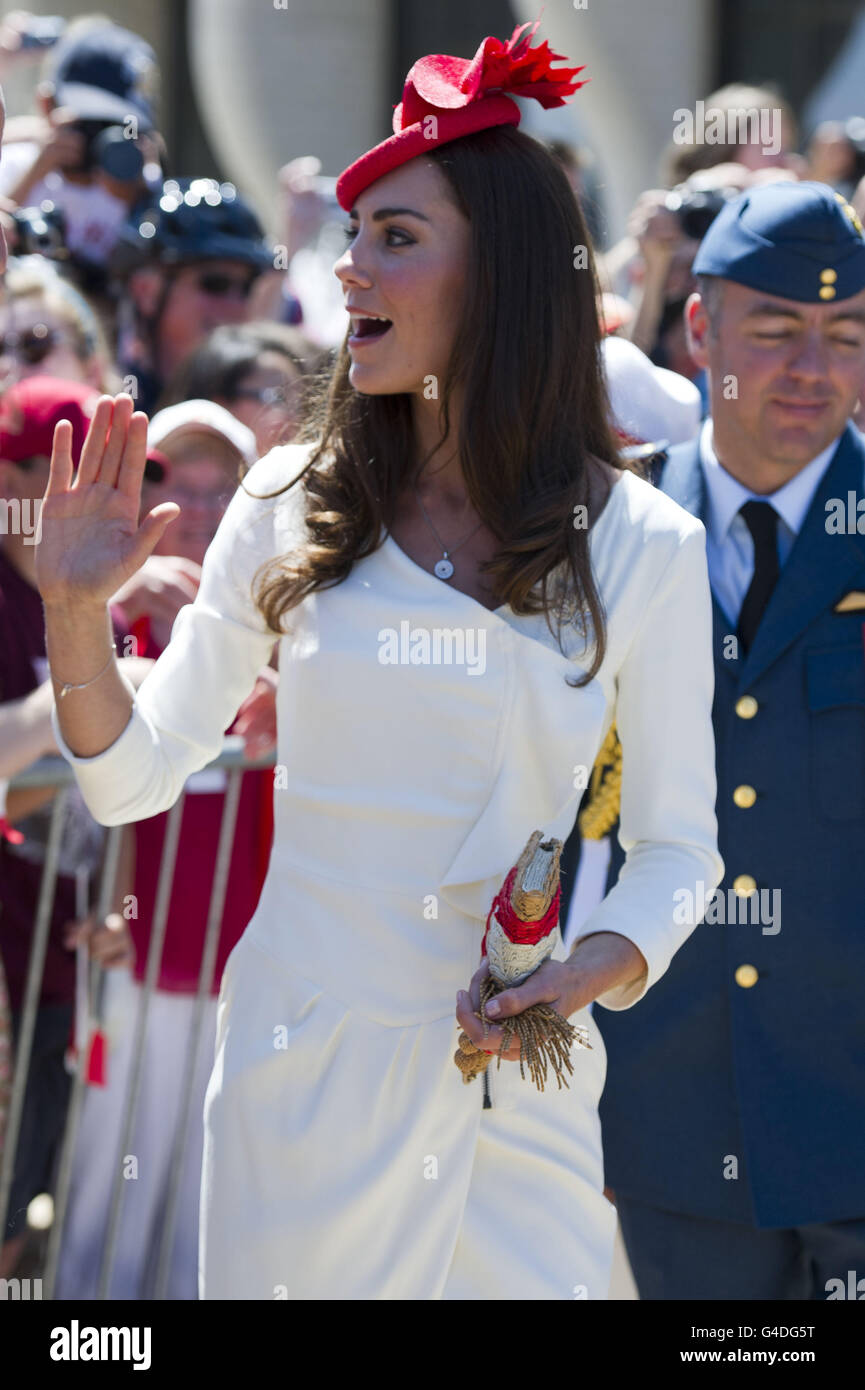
(68, 685)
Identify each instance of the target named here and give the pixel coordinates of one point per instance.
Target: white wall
(645, 58)
(312, 78)
(274, 83)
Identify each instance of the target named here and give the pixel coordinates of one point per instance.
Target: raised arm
(176, 722)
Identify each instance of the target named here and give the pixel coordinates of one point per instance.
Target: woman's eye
(351, 232)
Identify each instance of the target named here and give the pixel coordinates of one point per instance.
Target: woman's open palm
(90, 538)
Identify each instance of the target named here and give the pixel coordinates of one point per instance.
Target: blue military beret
(797, 240)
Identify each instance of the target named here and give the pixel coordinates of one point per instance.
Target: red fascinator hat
(446, 97)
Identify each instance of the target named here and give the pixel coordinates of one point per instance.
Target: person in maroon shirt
(28, 414)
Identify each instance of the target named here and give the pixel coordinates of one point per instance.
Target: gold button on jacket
(746, 976)
(744, 885)
(744, 796)
(746, 706)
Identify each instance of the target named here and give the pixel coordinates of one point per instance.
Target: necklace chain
(444, 568)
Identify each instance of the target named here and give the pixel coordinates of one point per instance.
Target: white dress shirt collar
(726, 494)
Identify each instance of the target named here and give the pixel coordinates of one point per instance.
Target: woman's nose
(348, 270)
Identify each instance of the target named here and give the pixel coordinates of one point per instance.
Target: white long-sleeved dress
(421, 739)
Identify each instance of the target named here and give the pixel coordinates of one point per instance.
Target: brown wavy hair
(527, 353)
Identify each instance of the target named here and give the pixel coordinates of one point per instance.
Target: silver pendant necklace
(443, 568)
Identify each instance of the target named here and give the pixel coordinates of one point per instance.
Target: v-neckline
(504, 607)
(428, 574)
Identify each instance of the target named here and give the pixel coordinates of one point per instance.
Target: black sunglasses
(218, 284)
(32, 345)
(287, 396)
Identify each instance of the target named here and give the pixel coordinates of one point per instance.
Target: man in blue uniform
(734, 1111)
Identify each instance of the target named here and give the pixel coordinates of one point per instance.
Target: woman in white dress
(466, 589)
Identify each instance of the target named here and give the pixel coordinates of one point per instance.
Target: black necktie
(762, 521)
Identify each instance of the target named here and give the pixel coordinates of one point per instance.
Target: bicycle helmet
(190, 220)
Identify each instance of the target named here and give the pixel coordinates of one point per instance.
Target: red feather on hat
(512, 67)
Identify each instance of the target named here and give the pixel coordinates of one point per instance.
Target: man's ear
(697, 329)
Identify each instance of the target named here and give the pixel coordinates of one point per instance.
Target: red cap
(446, 97)
(32, 407)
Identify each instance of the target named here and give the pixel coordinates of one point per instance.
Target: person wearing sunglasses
(29, 411)
(185, 263)
(47, 328)
(92, 144)
(260, 371)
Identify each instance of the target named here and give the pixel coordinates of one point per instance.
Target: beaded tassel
(522, 931)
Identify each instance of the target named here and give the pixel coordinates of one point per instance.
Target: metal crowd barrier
(54, 771)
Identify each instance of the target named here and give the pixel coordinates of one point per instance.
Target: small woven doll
(522, 932)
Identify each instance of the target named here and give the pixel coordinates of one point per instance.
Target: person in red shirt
(207, 447)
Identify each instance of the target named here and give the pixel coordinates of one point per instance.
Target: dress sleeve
(667, 826)
(218, 645)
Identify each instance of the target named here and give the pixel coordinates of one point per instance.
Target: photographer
(88, 151)
(666, 228)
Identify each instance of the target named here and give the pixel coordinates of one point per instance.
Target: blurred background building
(250, 84)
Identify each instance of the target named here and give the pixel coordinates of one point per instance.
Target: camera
(41, 232)
(696, 209)
(109, 148)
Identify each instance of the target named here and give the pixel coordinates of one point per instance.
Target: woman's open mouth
(366, 329)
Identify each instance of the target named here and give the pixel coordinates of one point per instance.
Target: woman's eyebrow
(382, 213)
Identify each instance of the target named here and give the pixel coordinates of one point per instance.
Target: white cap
(206, 417)
(649, 402)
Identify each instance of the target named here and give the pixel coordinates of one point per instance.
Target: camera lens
(117, 155)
